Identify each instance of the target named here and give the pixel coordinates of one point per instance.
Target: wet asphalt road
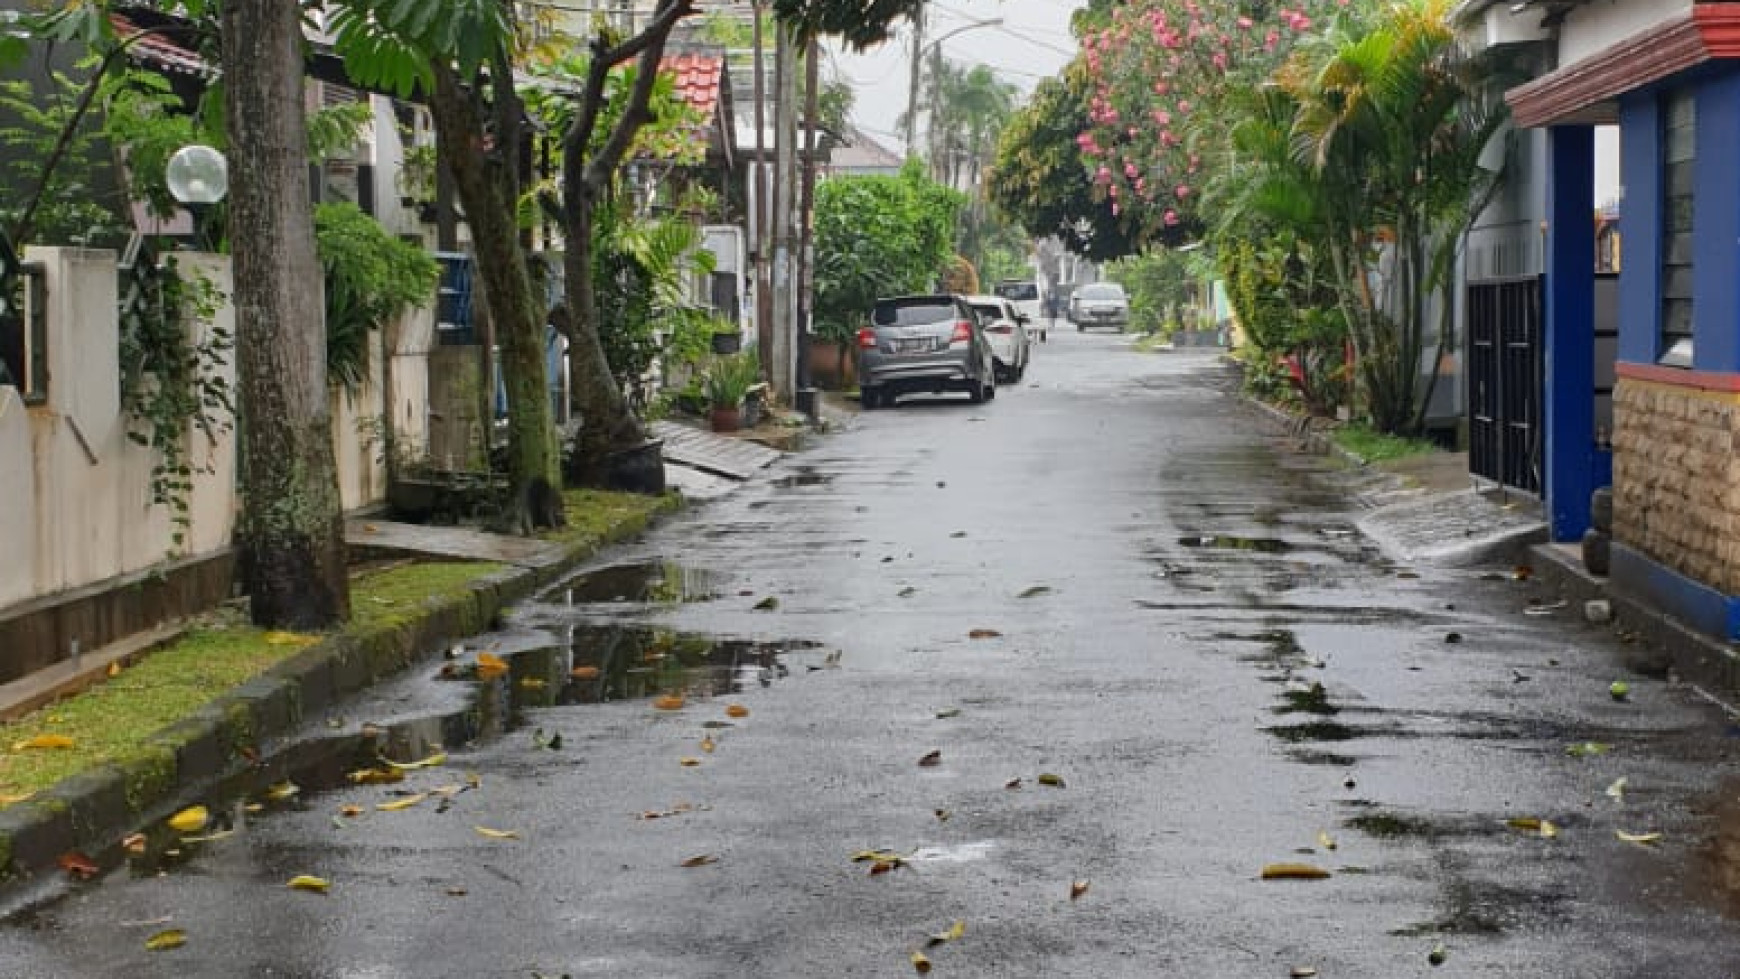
(1199, 578)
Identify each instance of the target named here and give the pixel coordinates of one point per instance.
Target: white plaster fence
(75, 492)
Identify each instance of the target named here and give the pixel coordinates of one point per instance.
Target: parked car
(924, 343)
(1024, 295)
(1100, 304)
(1006, 328)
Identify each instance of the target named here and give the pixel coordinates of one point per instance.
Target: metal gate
(1505, 319)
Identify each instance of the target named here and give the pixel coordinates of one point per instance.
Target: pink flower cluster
(1155, 69)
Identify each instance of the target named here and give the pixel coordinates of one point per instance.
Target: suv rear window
(1018, 291)
(1101, 290)
(919, 311)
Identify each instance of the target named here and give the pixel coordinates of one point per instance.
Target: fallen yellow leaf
(984, 634)
(44, 742)
(532, 683)
(1293, 871)
(190, 820)
(165, 940)
(584, 673)
(1077, 888)
(1642, 839)
(707, 743)
(438, 758)
(931, 760)
(306, 882)
(1055, 781)
(351, 811)
(1326, 841)
(1531, 825)
(490, 665)
(688, 762)
(669, 702)
(282, 791)
(281, 638)
(115, 668)
(700, 861)
(736, 710)
(955, 931)
(134, 844)
(921, 963)
(376, 776)
(405, 803)
(497, 834)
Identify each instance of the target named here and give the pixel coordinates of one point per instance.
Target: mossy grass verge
(1151, 342)
(115, 721)
(1372, 446)
(598, 516)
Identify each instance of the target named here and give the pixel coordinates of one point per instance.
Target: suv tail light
(963, 332)
(867, 338)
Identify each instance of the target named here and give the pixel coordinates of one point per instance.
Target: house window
(1679, 165)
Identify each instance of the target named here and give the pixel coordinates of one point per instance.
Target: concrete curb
(90, 811)
(1667, 647)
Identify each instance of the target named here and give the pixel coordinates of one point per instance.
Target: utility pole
(915, 77)
(805, 397)
(761, 214)
(784, 208)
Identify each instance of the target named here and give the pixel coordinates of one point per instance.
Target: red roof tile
(698, 78)
(158, 51)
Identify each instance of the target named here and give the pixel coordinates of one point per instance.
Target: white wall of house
(77, 492)
(1593, 27)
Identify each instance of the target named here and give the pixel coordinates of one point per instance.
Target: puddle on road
(604, 663)
(663, 582)
(1228, 542)
(1316, 731)
(1309, 699)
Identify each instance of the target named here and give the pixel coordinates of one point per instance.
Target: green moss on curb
(150, 774)
(401, 595)
(598, 516)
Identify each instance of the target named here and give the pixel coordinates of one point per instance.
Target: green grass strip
(1377, 447)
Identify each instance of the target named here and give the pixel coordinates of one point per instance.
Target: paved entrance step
(719, 455)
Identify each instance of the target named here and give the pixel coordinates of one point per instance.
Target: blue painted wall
(1569, 452)
(1640, 277)
(1716, 289)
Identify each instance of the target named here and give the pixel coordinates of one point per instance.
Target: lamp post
(933, 49)
(198, 176)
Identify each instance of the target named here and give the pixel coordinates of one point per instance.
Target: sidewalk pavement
(90, 812)
(1428, 509)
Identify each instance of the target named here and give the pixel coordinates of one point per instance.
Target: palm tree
(1389, 127)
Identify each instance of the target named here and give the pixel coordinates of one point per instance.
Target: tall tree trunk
(611, 449)
(608, 426)
(292, 523)
(488, 187)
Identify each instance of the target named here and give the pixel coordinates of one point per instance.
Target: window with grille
(1679, 166)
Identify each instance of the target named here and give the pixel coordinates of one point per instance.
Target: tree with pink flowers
(1160, 72)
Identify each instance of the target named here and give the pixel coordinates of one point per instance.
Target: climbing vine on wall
(172, 385)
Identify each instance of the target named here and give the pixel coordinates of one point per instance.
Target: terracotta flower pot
(727, 419)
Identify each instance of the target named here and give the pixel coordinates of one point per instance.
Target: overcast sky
(1033, 42)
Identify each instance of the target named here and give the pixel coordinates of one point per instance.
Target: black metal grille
(1504, 381)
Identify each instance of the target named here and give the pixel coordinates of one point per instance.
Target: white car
(1023, 294)
(1011, 346)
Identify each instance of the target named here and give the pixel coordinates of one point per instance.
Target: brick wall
(1676, 479)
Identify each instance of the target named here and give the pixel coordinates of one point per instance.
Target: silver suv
(1100, 304)
(924, 343)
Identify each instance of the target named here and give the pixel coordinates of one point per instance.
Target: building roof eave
(1586, 91)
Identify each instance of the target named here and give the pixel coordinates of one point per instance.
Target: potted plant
(727, 380)
(727, 337)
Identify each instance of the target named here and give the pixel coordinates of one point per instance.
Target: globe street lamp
(198, 177)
